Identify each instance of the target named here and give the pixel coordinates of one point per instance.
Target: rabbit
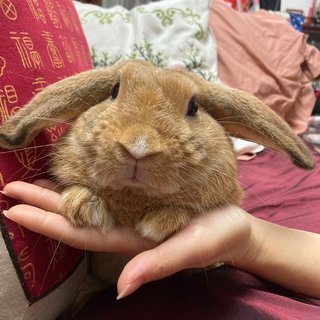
(147, 147)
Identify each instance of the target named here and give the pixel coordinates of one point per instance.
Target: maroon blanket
(276, 191)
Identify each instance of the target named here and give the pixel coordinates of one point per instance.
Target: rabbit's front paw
(160, 225)
(83, 207)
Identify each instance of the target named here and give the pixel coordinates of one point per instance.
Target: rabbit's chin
(137, 186)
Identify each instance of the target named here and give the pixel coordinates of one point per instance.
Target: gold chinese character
(39, 84)
(67, 48)
(23, 255)
(29, 272)
(75, 45)
(4, 112)
(11, 93)
(55, 132)
(53, 51)
(36, 11)
(8, 9)
(52, 13)
(2, 65)
(65, 17)
(28, 158)
(30, 58)
(8, 95)
(74, 20)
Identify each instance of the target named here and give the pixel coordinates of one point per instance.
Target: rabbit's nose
(139, 146)
(138, 149)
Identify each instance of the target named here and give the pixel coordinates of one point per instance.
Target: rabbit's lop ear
(60, 102)
(245, 116)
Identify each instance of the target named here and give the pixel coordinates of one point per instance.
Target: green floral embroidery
(103, 59)
(197, 63)
(191, 58)
(106, 17)
(166, 17)
(146, 52)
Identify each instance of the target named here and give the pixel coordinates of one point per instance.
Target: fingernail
(6, 213)
(4, 192)
(124, 292)
(128, 289)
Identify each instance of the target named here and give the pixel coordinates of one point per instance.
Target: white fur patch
(140, 148)
(149, 231)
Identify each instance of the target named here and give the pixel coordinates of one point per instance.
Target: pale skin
(288, 257)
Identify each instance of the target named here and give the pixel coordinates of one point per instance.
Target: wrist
(285, 256)
(251, 249)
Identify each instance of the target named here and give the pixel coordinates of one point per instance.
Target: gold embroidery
(75, 45)
(23, 255)
(8, 9)
(2, 65)
(39, 84)
(30, 58)
(52, 14)
(53, 52)
(8, 95)
(36, 11)
(4, 113)
(65, 17)
(27, 157)
(67, 48)
(74, 21)
(82, 50)
(29, 272)
(27, 268)
(11, 93)
(56, 132)
(57, 251)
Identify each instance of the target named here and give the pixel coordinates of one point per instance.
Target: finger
(176, 254)
(59, 228)
(34, 195)
(208, 239)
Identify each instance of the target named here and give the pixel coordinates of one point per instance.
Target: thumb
(206, 240)
(168, 258)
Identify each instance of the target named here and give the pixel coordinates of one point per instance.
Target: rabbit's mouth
(140, 182)
(151, 189)
(140, 175)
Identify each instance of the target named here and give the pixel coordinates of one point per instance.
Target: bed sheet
(275, 191)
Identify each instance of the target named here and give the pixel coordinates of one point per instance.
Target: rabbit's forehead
(168, 81)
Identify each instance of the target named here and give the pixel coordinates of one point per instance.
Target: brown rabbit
(148, 147)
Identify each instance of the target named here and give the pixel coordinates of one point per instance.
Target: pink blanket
(264, 55)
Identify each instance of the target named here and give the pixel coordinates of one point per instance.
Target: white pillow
(167, 33)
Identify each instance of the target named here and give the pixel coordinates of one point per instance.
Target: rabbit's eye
(192, 107)
(115, 90)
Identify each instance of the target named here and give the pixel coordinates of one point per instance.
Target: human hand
(220, 236)
(39, 213)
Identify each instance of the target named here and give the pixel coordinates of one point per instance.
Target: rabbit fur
(148, 148)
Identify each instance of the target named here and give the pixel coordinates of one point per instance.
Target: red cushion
(41, 43)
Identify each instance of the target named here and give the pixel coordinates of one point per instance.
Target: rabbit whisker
(51, 262)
